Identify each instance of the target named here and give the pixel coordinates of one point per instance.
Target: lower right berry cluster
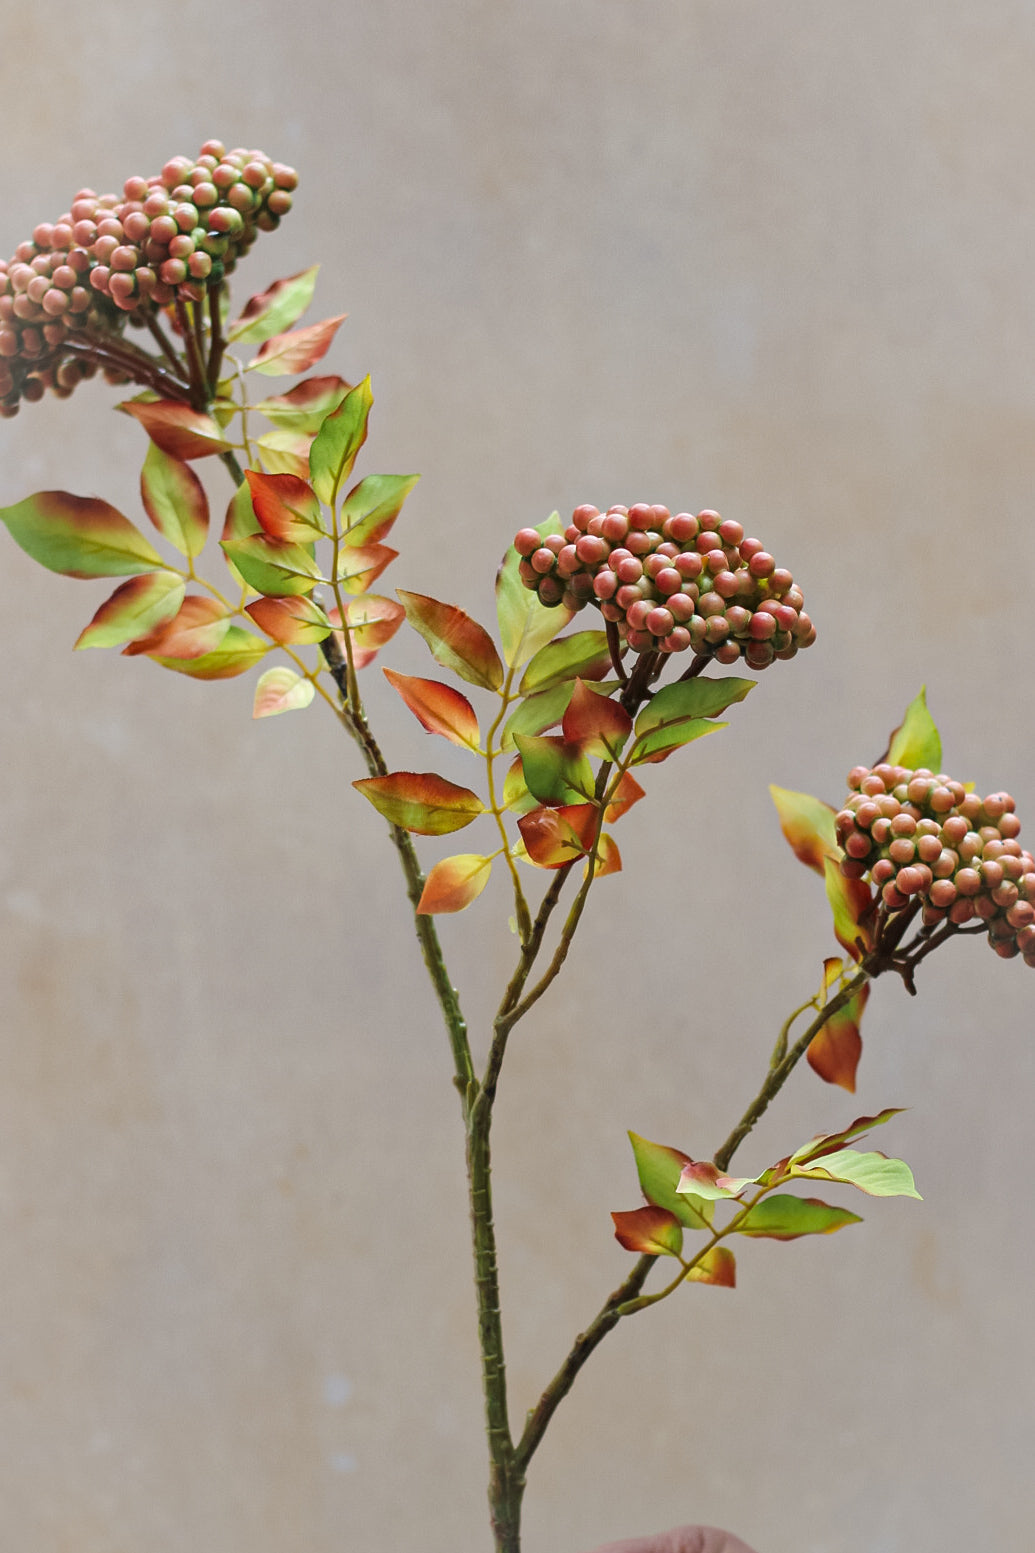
(921, 835)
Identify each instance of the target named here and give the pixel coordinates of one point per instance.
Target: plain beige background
(772, 256)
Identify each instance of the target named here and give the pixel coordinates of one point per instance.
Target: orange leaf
(454, 883)
(834, 1053)
(296, 350)
(596, 722)
(554, 837)
(608, 859)
(650, 1231)
(177, 429)
(439, 708)
(197, 629)
(717, 1266)
(624, 796)
(285, 506)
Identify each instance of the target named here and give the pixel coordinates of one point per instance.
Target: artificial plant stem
(137, 365)
(163, 342)
(217, 344)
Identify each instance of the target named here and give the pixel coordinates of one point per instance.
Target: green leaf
(692, 698)
(873, 1173)
(583, 655)
(516, 796)
(174, 499)
(372, 506)
(660, 742)
(277, 568)
(79, 536)
(285, 452)
(421, 801)
(649, 1232)
(809, 825)
(271, 311)
(830, 1142)
(238, 652)
(304, 408)
(658, 1168)
(525, 624)
(916, 742)
(785, 1217)
(136, 608)
(338, 441)
(456, 641)
(280, 689)
(555, 772)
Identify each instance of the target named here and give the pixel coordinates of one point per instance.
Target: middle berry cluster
(669, 582)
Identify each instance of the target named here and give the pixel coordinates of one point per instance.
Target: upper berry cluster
(105, 260)
(923, 836)
(670, 583)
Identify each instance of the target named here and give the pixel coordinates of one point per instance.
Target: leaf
(281, 690)
(554, 837)
(296, 351)
(137, 607)
(555, 772)
(285, 452)
(177, 429)
(439, 708)
(809, 826)
(785, 1217)
(546, 708)
(372, 621)
(600, 725)
(584, 654)
(658, 1168)
(874, 1173)
(285, 506)
(79, 536)
(359, 569)
(659, 743)
(238, 651)
(454, 883)
(278, 568)
(830, 1142)
(649, 1231)
(291, 622)
(525, 624)
(608, 859)
(717, 1267)
(275, 309)
(175, 501)
(372, 506)
(305, 407)
(338, 441)
(240, 515)
(706, 1180)
(624, 796)
(421, 801)
(852, 903)
(673, 717)
(516, 796)
(456, 641)
(834, 1053)
(916, 742)
(198, 628)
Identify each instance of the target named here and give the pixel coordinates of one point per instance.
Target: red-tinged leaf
(137, 607)
(853, 905)
(439, 708)
(649, 1231)
(285, 453)
(808, 824)
(832, 1142)
(177, 429)
(785, 1217)
(624, 796)
(599, 725)
(372, 621)
(305, 407)
(175, 501)
(834, 1053)
(546, 708)
(454, 883)
(278, 568)
(275, 309)
(79, 536)
(292, 622)
(703, 1179)
(555, 772)
(422, 801)
(238, 652)
(285, 506)
(584, 654)
(916, 742)
(359, 569)
(659, 1168)
(198, 628)
(525, 624)
(456, 641)
(296, 351)
(608, 859)
(516, 796)
(281, 690)
(717, 1267)
(338, 441)
(372, 506)
(554, 837)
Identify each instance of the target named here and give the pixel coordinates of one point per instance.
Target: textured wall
(772, 258)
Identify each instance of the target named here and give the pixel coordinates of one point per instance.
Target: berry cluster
(671, 582)
(921, 835)
(105, 260)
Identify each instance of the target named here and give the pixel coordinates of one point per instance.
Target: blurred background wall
(770, 258)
